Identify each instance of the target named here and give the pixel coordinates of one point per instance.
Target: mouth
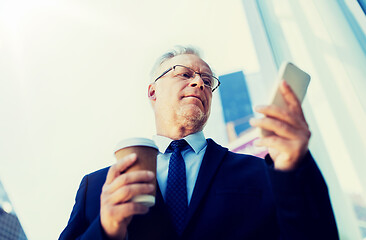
(197, 97)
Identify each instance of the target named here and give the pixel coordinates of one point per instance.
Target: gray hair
(176, 51)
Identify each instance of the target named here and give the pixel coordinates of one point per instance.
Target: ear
(151, 92)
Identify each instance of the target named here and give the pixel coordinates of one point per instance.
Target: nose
(197, 82)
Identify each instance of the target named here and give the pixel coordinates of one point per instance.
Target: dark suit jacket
(236, 196)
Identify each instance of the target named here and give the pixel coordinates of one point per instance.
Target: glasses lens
(183, 72)
(186, 73)
(208, 79)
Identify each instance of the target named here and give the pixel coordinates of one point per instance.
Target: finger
(287, 152)
(277, 112)
(290, 98)
(125, 193)
(280, 128)
(140, 176)
(122, 211)
(296, 148)
(278, 143)
(121, 165)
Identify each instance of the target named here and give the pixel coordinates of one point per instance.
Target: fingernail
(258, 108)
(284, 83)
(132, 155)
(150, 174)
(151, 187)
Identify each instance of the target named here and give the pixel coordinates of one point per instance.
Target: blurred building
(237, 110)
(10, 228)
(236, 104)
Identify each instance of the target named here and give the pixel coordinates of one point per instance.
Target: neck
(175, 131)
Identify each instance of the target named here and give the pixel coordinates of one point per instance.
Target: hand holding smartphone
(296, 78)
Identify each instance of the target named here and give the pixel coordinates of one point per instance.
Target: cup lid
(135, 142)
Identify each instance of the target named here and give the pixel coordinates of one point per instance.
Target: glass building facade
(236, 103)
(10, 228)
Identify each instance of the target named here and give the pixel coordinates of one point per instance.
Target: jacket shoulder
(101, 173)
(95, 181)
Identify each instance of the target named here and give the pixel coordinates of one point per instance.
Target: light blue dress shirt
(192, 157)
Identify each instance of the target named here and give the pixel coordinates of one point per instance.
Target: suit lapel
(210, 163)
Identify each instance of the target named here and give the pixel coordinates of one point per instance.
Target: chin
(192, 117)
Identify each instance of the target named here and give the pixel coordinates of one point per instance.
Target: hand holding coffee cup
(116, 207)
(146, 152)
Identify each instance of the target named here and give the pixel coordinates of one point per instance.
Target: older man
(205, 191)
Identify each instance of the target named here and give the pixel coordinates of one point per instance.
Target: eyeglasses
(186, 73)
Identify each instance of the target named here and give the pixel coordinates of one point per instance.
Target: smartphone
(296, 78)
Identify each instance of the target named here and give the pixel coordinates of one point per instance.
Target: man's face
(185, 102)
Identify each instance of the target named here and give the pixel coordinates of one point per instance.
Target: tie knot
(177, 145)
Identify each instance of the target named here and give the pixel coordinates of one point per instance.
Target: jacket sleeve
(78, 226)
(302, 202)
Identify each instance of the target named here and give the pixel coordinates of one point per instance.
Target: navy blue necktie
(176, 191)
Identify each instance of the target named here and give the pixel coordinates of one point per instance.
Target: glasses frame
(172, 68)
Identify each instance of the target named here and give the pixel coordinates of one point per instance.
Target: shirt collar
(197, 141)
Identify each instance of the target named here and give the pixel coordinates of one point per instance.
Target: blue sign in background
(235, 99)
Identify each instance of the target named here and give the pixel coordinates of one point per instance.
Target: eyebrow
(209, 72)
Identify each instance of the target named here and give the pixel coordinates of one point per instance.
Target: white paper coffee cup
(147, 152)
